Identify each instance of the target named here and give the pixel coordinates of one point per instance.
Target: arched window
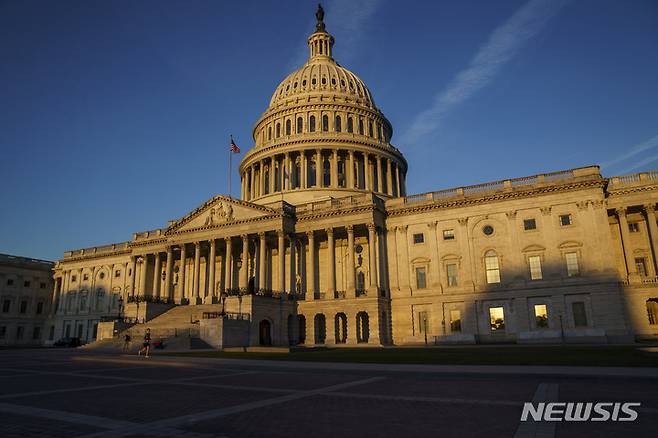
(325, 123)
(266, 180)
(338, 126)
(311, 124)
(300, 125)
(370, 132)
(269, 133)
(326, 166)
(360, 281)
(492, 267)
(320, 329)
(311, 173)
(301, 326)
(350, 125)
(288, 127)
(361, 126)
(278, 130)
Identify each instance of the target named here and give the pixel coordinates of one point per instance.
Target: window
(6, 306)
(39, 308)
(288, 127)
(492, 267)
(325, 123)
(541, 316)
(23, 307)
(641, 266)
(117, 273)
(572, 264)
(10, 282)
(337, 124)
(529, 224)
(36, 333)
(565, 219)
(85, 277)
(423, 322)
(535, 267)
(652, 311)
(361, 126)
(451, 269)
(26, 283)
(278, 130)
(3, 331)
(421, 278)
(350, 125)
(419, 238)
(311, 124)
(300, 125)
(42, 285)
(19, 332)
(370, 130)
(497, 319)
(101, 275)
(448, 234)
(488, 230)
(269, 133)
(634, 227)
(579, 314)
(74, 278)
(455, 320)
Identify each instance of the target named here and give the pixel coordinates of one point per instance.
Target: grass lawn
(622, 356)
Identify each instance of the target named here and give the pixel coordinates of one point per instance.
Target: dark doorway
(265, 332)
(320, 329)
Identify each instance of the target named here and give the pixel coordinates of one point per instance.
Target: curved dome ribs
(322, 135)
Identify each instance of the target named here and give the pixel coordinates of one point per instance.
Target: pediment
(220, 211)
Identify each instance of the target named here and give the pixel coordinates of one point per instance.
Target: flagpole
(230, 159)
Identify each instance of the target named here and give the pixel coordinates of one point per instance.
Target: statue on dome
(319, 15)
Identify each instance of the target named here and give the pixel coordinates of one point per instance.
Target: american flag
(234, 147)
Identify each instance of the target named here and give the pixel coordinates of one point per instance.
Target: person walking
(126, 343)
(146, 346)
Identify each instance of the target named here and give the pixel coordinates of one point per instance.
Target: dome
(322, 76)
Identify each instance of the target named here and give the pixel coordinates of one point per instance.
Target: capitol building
(326, 247)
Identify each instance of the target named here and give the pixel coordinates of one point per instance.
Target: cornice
(631, 190)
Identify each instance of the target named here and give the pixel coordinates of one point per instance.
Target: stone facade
(325, 226)
(25, 300)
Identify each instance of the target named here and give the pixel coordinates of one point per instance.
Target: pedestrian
(126, 342)
(146, 346)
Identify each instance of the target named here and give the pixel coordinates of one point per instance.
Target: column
(252, 189)
(331, 265)
(168, 271)
(244, 271)
(389, 178)
(181, 273)
(334, 168)
(366, 171)
(282, 261)
(351, 273)
(133, 270)
(310, 285)
(372, 258)
(157, 279)
(350, 170)
(228, 265)
(380, 186)
(142, 276)
(626, 242)
(394, 278)
(318, 168)
(397, 180)
(272, 174)
(650, 212)
(197, 273)
(261, 261)
(293, 264)
(261, 178)
(435, 260)
(211, 292)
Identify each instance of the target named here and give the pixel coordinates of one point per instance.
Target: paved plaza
(62, 393)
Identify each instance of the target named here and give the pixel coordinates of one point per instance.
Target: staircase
(178, 329)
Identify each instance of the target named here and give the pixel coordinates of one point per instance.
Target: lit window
(535, 267)
(448, 234)
(529, 224)
(652, 311)
(541, 316)
(497, 319)
(579, 314)
(419, 238)
(421, 278)
(572, 264)
(492, 267)
(451, 269)
(634, 227)
(641, 266)
(455, 320)
(565, 219)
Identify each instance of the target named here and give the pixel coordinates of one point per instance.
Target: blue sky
(115, 116)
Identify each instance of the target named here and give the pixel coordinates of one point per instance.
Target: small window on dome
(314, 81)
(287, 87)
(294, 85)
(324, 81)
(342, 83)
(333, 81)
(304, 83)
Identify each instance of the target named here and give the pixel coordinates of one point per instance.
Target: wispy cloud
(346, 20)
(503, 44)
(632, 152)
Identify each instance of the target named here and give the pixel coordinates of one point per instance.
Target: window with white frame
(579, 314)
(565, 219)
(492, 267)
(571, 259)
(448, 234)
(451, 270)
(534, 262)
(421, 278)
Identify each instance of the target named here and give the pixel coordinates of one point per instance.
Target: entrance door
(265, 332)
